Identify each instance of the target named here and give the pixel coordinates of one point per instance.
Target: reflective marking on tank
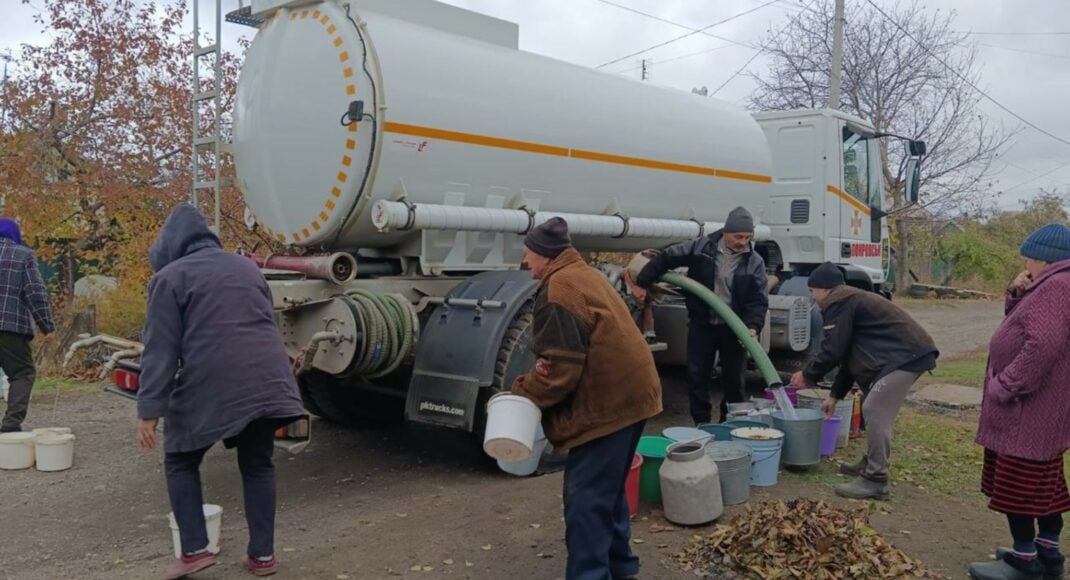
(501, 143)
(848, 198)
(350, 144)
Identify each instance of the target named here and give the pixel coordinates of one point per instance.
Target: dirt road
(374, 504)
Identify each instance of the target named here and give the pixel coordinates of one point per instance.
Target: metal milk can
(690, 485)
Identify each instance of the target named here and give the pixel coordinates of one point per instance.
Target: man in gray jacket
(215, 368)
(725, 262)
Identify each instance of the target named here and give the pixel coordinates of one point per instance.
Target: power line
(969, 33)
(966, 79)
(682, 56)
(689, 34)
(762, 49)
(676, 24)
(1025, 51)
(1040, 176)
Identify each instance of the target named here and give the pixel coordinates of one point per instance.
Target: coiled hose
(765, 366)
(390, 327)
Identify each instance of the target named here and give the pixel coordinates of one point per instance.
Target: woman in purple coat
(215, 368)
(1025, 416)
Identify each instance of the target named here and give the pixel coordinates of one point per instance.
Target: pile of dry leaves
(799, 539)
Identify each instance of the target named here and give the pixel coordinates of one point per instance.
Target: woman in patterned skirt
(1025, 416)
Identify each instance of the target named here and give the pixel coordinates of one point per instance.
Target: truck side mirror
(913, 179)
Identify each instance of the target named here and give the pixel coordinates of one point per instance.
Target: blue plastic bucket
(719, 432)
(766, 443)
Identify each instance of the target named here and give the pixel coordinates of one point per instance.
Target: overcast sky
(1027, 73)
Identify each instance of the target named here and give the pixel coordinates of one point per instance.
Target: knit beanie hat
(549, 239)
(826, 276)
(739, 222)
(1050, 243)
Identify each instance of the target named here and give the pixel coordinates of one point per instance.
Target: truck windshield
(856, 162)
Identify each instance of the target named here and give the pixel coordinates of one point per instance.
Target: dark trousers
(16, 358)
(704, 342)
(597, 532)
(255, 445)
(1024, 528)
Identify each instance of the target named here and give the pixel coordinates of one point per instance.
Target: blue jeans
(255, 444)
(597, 532)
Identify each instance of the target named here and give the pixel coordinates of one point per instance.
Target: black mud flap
(459, 348)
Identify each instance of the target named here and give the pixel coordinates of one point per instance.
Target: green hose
(765, 366)
(390, 330)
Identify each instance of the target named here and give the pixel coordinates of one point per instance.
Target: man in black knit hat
(878, 345)
(725, 262)
(595, 381)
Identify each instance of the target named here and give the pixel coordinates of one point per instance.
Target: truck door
(860, 191)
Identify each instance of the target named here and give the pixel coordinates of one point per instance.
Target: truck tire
(515, 357)
(346, 404)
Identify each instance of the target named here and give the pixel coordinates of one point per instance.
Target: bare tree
(897, 73)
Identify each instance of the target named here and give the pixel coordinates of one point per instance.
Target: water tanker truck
(400, 149)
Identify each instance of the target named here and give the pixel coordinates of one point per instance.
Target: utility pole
(837, 57)
(6, 56)
(645, 74)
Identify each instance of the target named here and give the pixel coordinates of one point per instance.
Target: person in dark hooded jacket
(215, 368)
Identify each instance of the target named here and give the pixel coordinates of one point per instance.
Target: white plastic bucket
(512, 421)
(531, 463)
(213, 519)
(51, 431)
(16, 450)
(55, 451)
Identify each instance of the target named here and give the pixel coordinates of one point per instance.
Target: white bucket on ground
(531, 463)
(512, 421)
(55, 451)
(16, 450)
(213, 519)
(51, 431)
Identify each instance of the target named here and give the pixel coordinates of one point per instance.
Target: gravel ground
(373, 504)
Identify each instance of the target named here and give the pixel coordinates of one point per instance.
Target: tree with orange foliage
(95, 145)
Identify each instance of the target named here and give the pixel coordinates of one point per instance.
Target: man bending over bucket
(216, 369)
(595, 381)
(880, 346)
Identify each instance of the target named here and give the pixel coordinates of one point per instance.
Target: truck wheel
(515, 357)
(344, 403)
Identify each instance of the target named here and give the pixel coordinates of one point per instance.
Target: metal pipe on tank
(338, 267)
(402, 216)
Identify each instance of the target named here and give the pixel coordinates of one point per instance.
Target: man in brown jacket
(596, 383)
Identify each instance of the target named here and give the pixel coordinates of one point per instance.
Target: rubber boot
(854, 469)
(1007, 568)
(1054, 567)
(862, 488)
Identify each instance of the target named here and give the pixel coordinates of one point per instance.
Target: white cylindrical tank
(464, 120)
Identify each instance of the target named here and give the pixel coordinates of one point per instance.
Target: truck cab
(828, 199)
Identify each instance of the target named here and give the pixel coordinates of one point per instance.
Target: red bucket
(631, 485)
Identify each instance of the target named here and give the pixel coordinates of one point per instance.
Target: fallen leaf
(415, 568)
(638, 541)
(402, 515)
(428, 569)
(536, 526)
(468, 564)
(448, 561)
(487, 548)
(342, 577)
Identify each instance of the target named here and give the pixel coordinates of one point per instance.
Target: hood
(184, 233)
(9, 229)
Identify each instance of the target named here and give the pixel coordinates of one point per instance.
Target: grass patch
(932, 452)
(966, 370)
